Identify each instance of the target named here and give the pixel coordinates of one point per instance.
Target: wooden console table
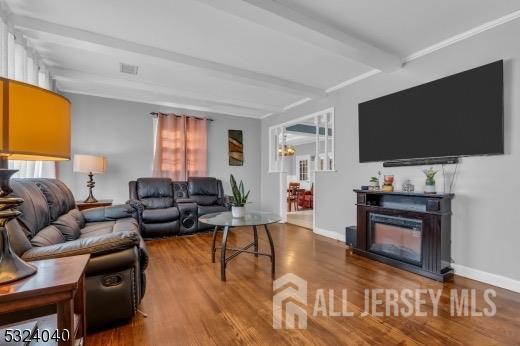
(101, 203)
(58, 282)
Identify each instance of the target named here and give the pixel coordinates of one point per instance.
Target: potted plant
(239, 198)
(429, 186)
(373, 183)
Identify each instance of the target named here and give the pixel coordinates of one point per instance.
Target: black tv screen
(459, 115)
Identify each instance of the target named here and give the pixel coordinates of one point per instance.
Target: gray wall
(485, 232)
(123, 132)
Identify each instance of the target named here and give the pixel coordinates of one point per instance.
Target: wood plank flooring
(187, 303)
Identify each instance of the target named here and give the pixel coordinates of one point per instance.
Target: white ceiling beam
(308, 28)
(130, 83)
(162, 95)
(143, 99)
(217, 69)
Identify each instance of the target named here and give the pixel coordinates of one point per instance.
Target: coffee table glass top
(252, 218)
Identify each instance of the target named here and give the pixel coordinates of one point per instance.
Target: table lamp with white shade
(90, 164)
(34, 126)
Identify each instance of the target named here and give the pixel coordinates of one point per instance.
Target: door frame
(283, 174)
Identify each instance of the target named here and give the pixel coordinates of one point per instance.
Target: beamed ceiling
(243, 57)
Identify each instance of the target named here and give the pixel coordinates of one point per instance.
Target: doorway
(299, 150)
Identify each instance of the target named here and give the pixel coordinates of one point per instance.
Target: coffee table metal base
(236, 251)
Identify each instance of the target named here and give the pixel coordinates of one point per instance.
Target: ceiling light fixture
(287, 150)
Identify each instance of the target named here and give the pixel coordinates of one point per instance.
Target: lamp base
(12, 267)
(90, 184)
(90, 199)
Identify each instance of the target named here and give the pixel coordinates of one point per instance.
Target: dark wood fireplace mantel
(411, 231)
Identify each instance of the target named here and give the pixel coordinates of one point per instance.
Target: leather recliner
(173, 207)
(51, 226)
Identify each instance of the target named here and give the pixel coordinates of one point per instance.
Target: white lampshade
(90, 164)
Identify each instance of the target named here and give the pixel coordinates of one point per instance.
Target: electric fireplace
(396, 237)
(411, 231)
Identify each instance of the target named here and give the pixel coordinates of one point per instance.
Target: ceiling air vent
(130, 69)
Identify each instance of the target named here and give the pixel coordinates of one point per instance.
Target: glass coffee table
(226, 221)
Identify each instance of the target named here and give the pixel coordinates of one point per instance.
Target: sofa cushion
(160, 215)
(155, 192)
(204, 200)
(154, 187)
(68, 226)
(124, 225)
(58, 196)
(93, 229)
(78, 216)
(202, 186)
(35, 211)
(49, 235)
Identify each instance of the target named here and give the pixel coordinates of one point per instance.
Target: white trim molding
(488, 278)
(462, 36)
(330, 234)
(352, 80)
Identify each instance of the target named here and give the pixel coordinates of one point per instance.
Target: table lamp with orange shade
(34, 126)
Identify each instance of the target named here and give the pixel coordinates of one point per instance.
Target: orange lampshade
(34, 123)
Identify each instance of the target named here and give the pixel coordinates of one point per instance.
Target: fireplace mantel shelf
(403, 193)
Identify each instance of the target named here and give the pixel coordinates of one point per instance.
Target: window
(18, 61)
(303, 170)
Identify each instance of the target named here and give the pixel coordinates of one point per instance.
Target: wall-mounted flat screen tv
(459, 115)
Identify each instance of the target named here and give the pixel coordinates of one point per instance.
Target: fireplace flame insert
(396, 237)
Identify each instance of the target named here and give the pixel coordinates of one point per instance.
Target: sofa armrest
(111, 213)
(95, 246)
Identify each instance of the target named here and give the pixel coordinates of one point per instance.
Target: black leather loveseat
(50, 226)
(173, 207)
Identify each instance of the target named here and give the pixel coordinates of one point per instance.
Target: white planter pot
(429, 188)
(238, 212)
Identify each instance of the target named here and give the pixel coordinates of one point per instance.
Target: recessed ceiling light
(126, 68)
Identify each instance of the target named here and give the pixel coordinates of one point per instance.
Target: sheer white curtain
(18, 61)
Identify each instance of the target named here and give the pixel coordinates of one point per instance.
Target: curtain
(18, 61)
(181, 147)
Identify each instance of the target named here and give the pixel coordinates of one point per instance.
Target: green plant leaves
(239, 195)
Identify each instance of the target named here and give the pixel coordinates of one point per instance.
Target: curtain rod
(187, 116)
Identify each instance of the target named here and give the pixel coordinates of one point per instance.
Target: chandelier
(287, 150)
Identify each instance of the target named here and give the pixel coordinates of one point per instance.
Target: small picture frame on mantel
(236, 147)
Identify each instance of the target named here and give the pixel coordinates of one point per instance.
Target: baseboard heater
(422, 162)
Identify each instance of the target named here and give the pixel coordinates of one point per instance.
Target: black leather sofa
(51, 226)
(173, 207)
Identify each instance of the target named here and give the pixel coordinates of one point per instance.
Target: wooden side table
(57, 282)
(101, 203)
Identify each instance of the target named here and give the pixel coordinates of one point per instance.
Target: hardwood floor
(302, 218)
(188, 304)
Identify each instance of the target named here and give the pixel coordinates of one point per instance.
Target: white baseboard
(467, 272)
(329, 234)
(488, 278)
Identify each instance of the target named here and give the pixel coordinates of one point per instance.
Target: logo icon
(291, 294)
